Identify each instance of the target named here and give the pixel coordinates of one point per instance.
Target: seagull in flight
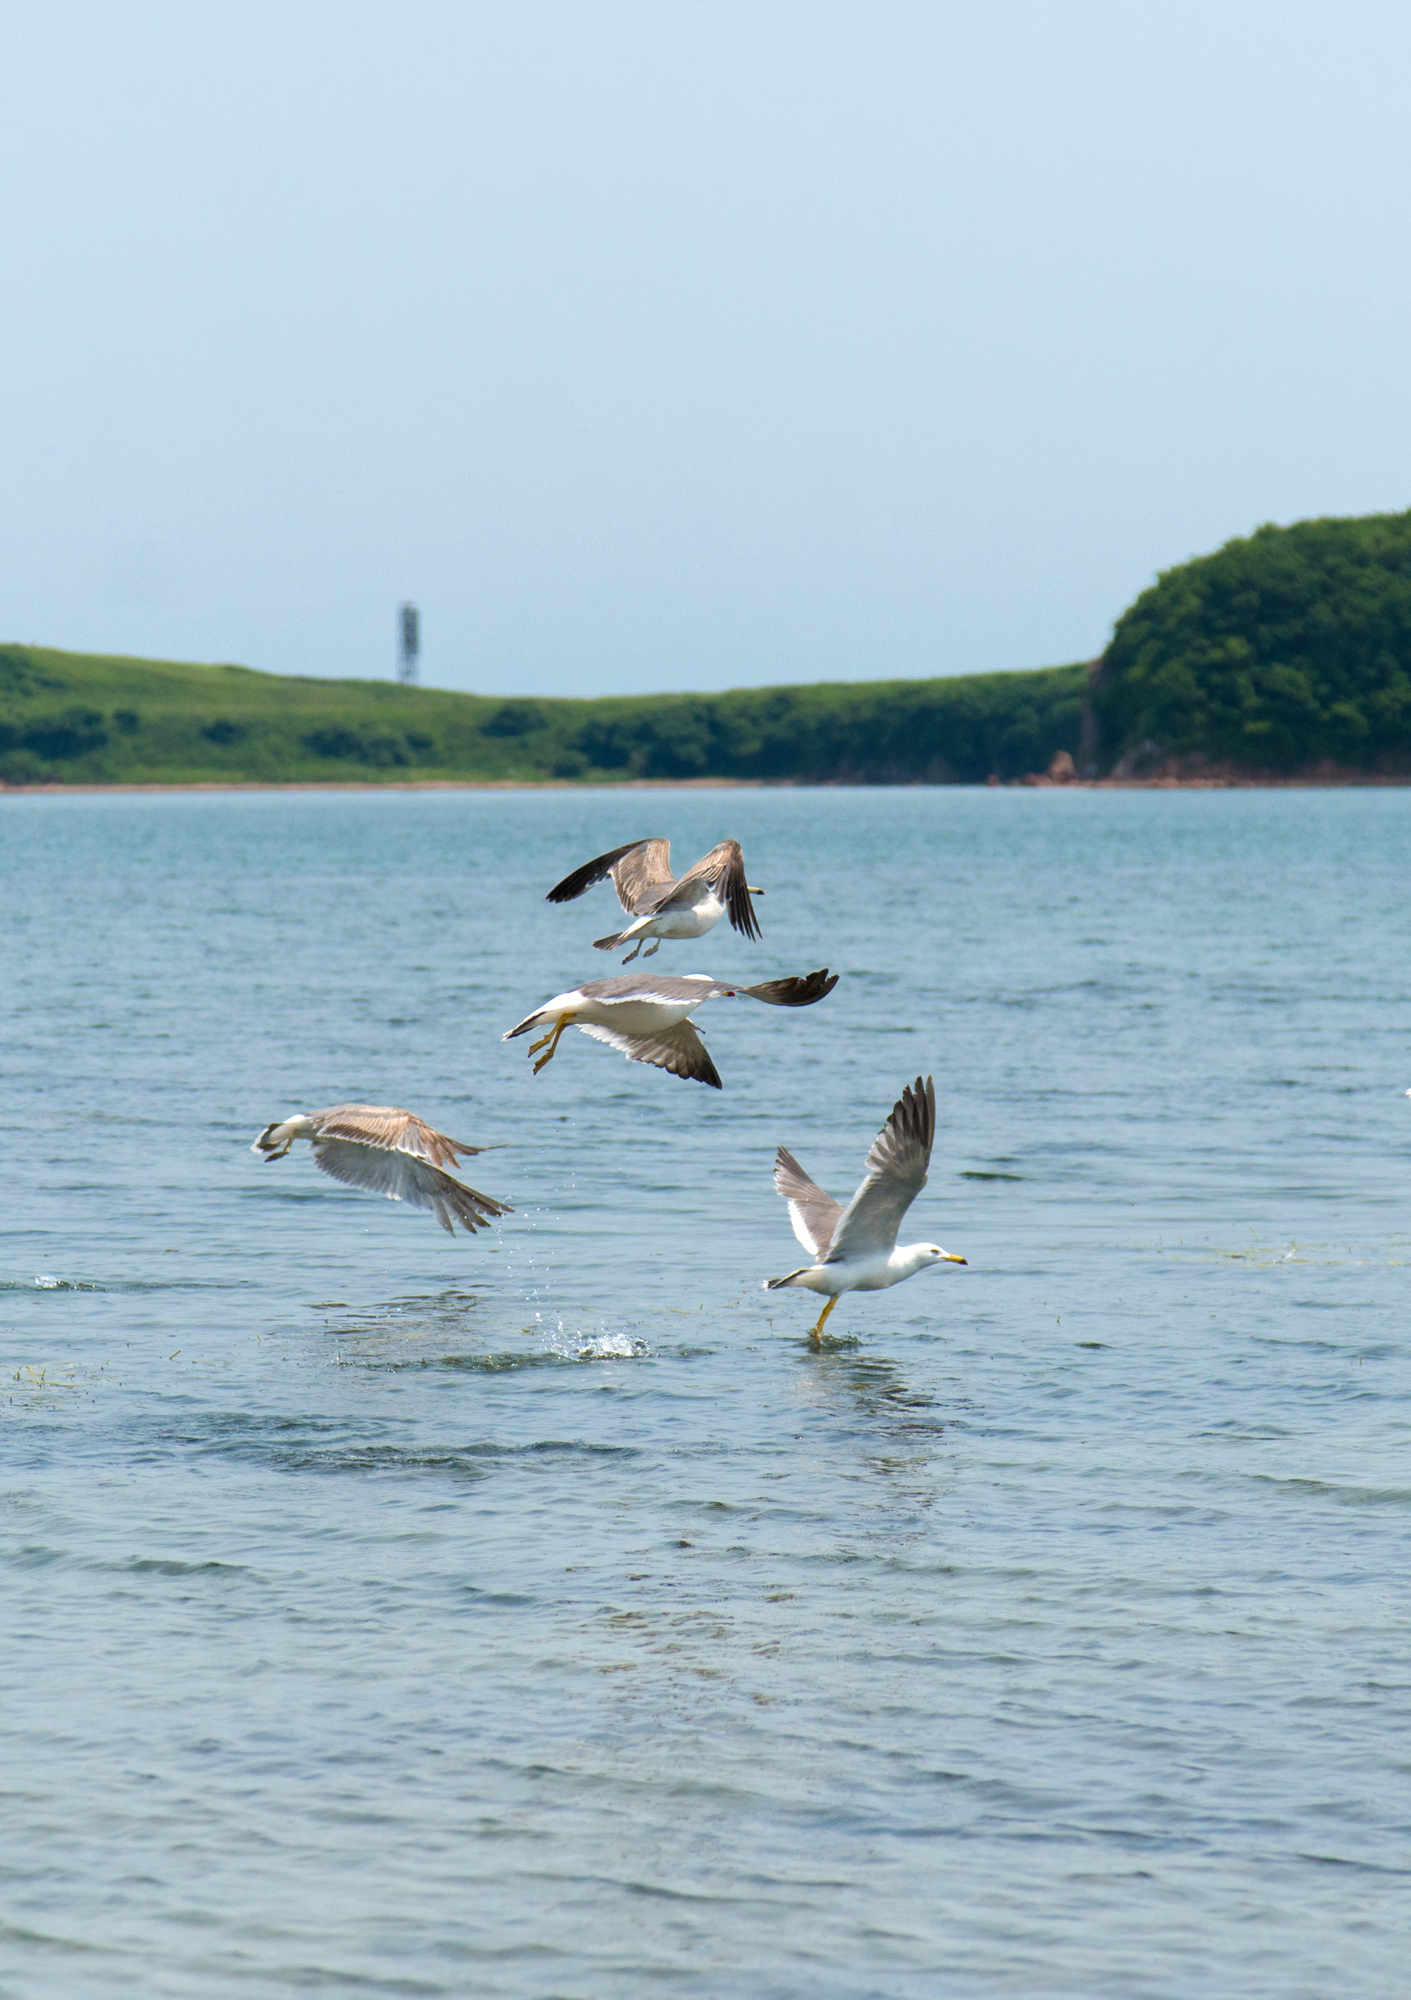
(649, 1019)
(389, 1152)
(662, 906)
(854, 1249)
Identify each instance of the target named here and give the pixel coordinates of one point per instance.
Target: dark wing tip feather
(590, 873)
(477, 1210)
(914, 1115)
(695, 1061)
(740, 904)
(472, 1209)
(737, 894)
(678, 1050)
(925, 1101)
(801, 991)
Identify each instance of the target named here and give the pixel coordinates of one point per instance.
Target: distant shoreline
(408, 785)
(1313, 781)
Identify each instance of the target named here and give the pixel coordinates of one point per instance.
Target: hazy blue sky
(683, 345)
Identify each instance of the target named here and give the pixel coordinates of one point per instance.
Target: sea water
(539, 1614)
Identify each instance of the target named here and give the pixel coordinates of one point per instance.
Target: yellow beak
(951, 1258)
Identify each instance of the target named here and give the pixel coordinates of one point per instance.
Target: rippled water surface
(536, 1614)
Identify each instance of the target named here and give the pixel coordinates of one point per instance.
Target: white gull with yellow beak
(855, 1248)
(648, 1017)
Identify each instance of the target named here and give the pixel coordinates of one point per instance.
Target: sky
(681, 345)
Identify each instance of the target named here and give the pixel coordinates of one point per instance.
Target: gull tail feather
(624, 936)
(773, 1284)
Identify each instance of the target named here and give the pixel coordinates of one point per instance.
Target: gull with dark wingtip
(662, 906)
(854, 1249)
(390, 1152)
(649, 1019)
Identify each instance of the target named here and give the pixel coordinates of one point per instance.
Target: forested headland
(1285, 652)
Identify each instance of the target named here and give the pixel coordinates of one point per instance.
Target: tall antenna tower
(409, 627)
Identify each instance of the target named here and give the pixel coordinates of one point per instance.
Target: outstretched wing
(642, 864)
(813, 1213)
(406, 1177)
(382, 1125)
(643, 869)
(724, 869)
(698, 986)
(800, 992)
(679, 1050)
(896, 1174)
(668, 987)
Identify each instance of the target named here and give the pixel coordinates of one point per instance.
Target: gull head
(909, 1258)
(274, 1142)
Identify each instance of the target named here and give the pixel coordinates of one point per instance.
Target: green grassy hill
(81, 718)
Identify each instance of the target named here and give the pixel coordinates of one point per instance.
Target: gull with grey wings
(649, 1019)
(662, 906)
(854, 1249)
(389, 1152)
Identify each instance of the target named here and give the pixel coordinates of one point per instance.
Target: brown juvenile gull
(648, 1019)
(389, 1152)
(854, 1249)
(664, 907)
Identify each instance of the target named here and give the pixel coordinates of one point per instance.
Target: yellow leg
(816, 1332)
(557, 1029)
(564, 1021)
